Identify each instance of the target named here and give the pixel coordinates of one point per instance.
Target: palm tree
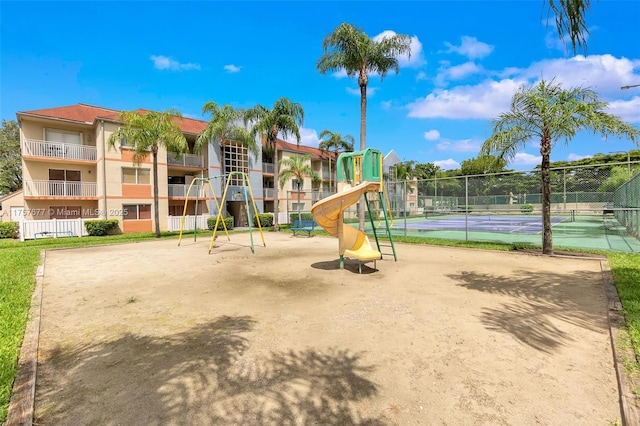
(225, 126)
(550, 113)
(570, 20)
(352, 50)
(146, 132)
(333, 142)
(285, 119)
(297, 168)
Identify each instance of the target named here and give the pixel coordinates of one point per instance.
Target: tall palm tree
(297, 167)
(570, 20)
(352, 50)
(333, 142)
(147, 132)
(225, 125)
(550, 113)
(284, 119)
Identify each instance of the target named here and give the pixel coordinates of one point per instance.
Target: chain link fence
(591, 206)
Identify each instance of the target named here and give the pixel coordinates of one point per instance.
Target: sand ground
(156, 334)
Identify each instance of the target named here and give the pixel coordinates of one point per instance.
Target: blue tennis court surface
(530, 224)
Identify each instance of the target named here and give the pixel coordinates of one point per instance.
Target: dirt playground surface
(156, 334)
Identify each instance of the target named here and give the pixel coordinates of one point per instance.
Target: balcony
(269, 192)
(59, 150)
(180, 191)
(185, 160)
(60, 189)
(267, 168)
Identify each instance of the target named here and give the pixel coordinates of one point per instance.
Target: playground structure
(359, 174)
(247, 195)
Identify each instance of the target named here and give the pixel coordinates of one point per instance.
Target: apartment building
(70, 171)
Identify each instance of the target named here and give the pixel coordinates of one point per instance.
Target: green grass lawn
(18, 262)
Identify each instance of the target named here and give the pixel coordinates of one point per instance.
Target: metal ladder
(387, 227)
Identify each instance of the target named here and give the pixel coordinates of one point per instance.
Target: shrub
(526, 208)
(8, 229)
(467, 209)
(228, 221)
(266, 219)
(98, 228)
(303, 216)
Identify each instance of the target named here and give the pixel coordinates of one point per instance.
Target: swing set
(247, 193)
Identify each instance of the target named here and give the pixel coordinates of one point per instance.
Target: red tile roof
(315, 153)
(87, 114)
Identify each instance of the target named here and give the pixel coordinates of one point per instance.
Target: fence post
(466, 208)
(21, 230)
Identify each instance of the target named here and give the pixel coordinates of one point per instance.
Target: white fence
(52, 149)
(59, 188)
(52, 228)
(189, 222)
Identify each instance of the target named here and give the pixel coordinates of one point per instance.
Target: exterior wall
(14, 199)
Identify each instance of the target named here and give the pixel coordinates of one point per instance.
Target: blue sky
(468, 59)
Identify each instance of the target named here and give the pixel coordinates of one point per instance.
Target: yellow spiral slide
(328, 213)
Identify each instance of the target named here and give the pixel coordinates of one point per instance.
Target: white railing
(173, 223)
(52, 228)
(66, 151)
(59, 188)
(269, 192)
(187, 160)
(179, 190)
(267, 167)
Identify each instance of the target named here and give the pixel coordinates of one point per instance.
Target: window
(135, 176)
(65, 182)
(296, 184)
(236, 159)
(136, 211)
(63, 136)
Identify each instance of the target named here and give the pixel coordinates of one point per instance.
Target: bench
(303, 226)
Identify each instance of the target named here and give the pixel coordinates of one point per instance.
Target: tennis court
(490, 222)
(581, 230)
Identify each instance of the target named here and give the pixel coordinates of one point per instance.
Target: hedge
(100, 227)
(211, 222)
(526, 208)
(303, 216)
(266, 219)
(8, 229)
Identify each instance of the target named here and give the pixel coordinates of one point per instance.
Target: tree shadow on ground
(542, 302)
(349, 265)
(204, 375)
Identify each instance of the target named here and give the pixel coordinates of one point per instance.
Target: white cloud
(470, 47)
(483, 101)
(415, 45)
(230, 68)
(449, 164)
(308, 137)
(576, 157)
(356, 91)
(603, 73)
(166, 63)
(627, 110)
(524, 159)
(421, 76)
(385, 105)
(432, 135)
(552, 41)
(456, 72)
(462, 145)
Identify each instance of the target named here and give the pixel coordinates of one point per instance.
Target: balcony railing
(59, 188)
(267, 167)
(269, 192)
(185, 160)
(180, 191)
(65, 151)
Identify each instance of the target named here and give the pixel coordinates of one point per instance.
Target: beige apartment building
(70, 171)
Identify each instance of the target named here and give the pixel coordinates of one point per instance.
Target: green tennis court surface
(592, 231)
